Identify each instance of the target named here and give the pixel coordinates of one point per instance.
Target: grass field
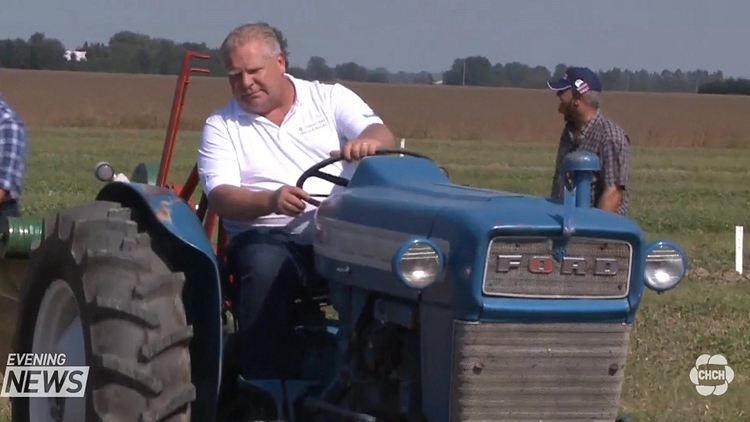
(693, 196)
(496, 138)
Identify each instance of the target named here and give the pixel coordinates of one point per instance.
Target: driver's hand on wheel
(288, 200)
(357, 150)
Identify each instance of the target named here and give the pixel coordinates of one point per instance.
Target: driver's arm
(356, 120)
(219, 172)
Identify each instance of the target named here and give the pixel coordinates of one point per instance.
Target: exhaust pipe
(583, 165)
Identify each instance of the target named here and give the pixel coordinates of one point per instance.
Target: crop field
(690, 185)
(54, 99)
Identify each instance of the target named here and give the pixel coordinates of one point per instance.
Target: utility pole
(463, 77)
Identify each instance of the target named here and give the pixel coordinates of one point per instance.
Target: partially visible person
(588, 129)
(13, 149)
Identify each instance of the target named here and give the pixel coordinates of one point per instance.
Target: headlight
(104, 171)
(418, 263)
(666, 265)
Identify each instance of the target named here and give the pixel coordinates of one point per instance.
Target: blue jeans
(270, 272)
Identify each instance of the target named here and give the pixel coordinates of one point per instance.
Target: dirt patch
(724, 276)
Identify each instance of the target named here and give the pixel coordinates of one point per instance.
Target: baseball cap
(582, 79)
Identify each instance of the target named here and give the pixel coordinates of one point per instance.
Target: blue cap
(582, 79)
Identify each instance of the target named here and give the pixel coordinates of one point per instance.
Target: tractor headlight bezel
(418, 263)
(665, 266)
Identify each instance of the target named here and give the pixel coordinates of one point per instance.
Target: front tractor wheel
(99, 292)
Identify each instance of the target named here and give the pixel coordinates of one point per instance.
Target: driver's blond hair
(243, 34)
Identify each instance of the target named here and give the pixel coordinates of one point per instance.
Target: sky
(415, 35)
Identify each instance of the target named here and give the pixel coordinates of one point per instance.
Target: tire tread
(133, 314)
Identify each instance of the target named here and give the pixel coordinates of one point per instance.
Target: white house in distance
(79, 56)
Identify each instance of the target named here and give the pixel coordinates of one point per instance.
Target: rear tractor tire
(98, 291)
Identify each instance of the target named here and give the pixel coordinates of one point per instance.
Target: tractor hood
(503, 213)
(411, 195)
(442, 210)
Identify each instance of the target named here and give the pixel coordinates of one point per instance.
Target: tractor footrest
(294, 390)
(272, 388)
(283, 393)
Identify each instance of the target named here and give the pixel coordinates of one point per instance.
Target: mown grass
(692, 196)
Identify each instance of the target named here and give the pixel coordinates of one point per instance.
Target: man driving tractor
(252, 151)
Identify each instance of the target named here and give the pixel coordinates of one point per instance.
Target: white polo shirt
(249, 151)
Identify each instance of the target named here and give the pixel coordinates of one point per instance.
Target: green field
(692, 196)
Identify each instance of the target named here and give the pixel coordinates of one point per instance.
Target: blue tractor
(453, 303)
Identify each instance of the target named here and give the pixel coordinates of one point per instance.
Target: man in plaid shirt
(587, 129)
(13, 147)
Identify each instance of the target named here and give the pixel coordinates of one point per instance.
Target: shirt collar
(298, 99)
(585, 129)
(590, 123)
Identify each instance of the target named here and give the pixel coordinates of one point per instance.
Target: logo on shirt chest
(312, 127)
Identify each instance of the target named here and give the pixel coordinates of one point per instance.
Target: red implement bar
(192, 182)
(207, 217)
(174, 119)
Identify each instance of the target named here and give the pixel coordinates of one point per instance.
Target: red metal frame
(207, 216)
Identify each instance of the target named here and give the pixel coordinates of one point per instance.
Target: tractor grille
(537, 372)
(524, 267)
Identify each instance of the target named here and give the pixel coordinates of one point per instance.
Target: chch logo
(711, 375)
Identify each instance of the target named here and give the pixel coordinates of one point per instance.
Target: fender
(165, 214)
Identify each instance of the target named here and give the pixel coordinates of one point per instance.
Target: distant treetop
(131, 52)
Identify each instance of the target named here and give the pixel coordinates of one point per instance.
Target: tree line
(131, 52)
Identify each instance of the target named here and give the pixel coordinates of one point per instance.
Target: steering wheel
(314, 171)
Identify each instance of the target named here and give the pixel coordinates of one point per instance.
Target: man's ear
(576, 99)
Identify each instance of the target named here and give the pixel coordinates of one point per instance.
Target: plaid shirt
(13, 147)
(603, 137)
